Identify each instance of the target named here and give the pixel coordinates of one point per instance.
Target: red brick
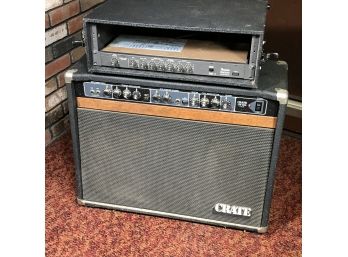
(47, 21)
(57, 65)
(55, 98)
(54, 34)
(50, 4)
(64, 12)
(54, 115)
(65, 107)
(75, 24)
(77, 53)
(50, 86)
(60, 127)
(61, 79)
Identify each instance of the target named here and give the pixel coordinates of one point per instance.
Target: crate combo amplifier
(196, 152)
(201, 41)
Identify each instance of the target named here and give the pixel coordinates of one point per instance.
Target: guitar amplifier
(187, 151)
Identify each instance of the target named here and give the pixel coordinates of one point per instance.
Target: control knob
(133, 64)
(114, 60)
(215, 103)
(204, 102)
(178, 68)
(126, 93)
(188, 68)
(143, 65)
(107, 91)
(166, 97)
(194, 101)
(161, 66)
(117, 92)
(169, 67)
(152, 66)
(156, 96)
(136, 95)
(184, 101)
(146, 97)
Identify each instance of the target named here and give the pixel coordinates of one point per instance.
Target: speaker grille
(173, 166)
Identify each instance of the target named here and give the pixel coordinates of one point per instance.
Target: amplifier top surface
(237, 16)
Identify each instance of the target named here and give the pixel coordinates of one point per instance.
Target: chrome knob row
(156, 66)
(126, 94)
(164, 96)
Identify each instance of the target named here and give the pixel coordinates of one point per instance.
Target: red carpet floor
(73, 230)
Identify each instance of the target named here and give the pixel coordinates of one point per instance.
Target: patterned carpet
(73, 230)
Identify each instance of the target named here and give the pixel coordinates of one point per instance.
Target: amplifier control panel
(179, 98)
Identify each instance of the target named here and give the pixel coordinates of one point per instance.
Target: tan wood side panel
(194, 49)
(177, 112)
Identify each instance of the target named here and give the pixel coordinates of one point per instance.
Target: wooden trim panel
(177, 112)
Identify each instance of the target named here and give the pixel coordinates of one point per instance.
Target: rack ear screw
(268, 6)
(78, 43)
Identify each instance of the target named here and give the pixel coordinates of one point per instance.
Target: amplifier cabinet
(193, 152)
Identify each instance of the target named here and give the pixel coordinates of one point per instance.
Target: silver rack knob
(133, 64)
(152, 66)
(169, 67)
(114, 60)
(178, 68)
(161, 66)
(143, 65)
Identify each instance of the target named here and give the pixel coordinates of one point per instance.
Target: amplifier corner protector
(80, 201)
(282, 95)
(68, 75)
(283, 63)
(262, 230)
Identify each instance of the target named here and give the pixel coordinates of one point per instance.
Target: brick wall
(63, 25)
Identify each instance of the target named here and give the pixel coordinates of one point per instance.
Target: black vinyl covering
(228, 16)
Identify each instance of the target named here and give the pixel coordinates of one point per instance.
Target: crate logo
(232, 209)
